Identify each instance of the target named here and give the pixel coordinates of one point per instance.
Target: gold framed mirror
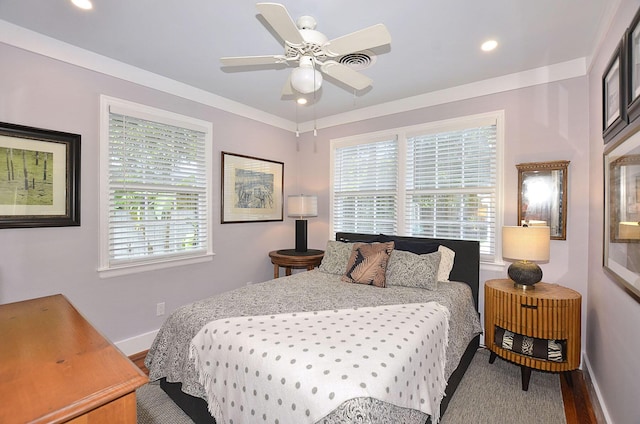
(542, 196)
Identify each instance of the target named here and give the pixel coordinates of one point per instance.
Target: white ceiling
(435, 44)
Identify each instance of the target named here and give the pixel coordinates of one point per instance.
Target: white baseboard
(137, 344)
(586, 364)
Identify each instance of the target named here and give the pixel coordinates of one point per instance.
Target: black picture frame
(632, 61)
(252, 189)
(614, 107)
(40, 177)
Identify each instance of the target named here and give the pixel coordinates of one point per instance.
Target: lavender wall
(41, 92)
(613, 314)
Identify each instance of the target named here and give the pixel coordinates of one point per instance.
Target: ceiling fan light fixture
(305, 78)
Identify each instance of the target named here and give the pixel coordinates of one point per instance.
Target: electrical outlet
(160, 309)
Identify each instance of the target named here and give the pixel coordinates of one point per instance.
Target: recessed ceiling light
(489, 45)
(301, 101)
(83, 4)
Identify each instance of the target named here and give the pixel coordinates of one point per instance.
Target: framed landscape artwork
(252, 189)
(40, 178)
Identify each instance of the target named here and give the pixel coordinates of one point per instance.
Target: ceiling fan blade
(287, 89)
(346, 75)
(252, 60)
(367, 38)
(281, 22)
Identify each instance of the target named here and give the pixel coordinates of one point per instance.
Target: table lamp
(301, 206)
(526, 245)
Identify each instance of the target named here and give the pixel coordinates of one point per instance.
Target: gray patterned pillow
(335, 258)
(410, 270)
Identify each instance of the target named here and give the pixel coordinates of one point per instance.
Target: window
(436, 180)
(365, 187)
(155, 188)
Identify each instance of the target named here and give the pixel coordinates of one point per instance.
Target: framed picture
(633, 68)
(40, 177)
(252, 189)
(542, 196)
(621, 250)
(613, 88)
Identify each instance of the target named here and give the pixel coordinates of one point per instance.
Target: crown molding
(32, 41)
(543, 75)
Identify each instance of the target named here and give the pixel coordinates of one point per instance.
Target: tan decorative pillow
(368, 263)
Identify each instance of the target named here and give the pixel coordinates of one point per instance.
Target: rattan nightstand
(546, 316)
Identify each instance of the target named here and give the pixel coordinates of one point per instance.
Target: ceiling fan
(310, 49)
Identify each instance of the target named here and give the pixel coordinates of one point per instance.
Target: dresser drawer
(529, 316)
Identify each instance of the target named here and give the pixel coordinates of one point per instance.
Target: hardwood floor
(138, 359)
(578, 408)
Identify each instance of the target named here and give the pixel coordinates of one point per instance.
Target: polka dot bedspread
(298, 367)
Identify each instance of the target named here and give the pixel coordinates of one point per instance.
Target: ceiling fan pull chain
(297, 130)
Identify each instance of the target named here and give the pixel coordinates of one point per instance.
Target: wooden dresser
(55, 367)
(546, 312)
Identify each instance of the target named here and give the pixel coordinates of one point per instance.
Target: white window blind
(157, 190)
(439, 180)
(365, 184)
(451, 186)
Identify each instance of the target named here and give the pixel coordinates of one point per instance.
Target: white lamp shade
(305, 79)
(302, 206)
(526, 243)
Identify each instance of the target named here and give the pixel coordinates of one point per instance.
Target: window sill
(126, 269)
(493, 266)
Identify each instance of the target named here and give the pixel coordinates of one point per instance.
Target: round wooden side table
(546, 312)
(289, 258)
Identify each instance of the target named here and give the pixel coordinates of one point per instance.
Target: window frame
(401, 134)
(106, 268)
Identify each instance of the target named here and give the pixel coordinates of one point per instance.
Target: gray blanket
(308, 291)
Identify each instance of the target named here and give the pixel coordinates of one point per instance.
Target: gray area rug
(488, 393)
(492, 393)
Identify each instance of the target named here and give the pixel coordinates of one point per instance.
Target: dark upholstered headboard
(466, 266)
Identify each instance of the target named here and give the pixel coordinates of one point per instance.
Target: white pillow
(446, 262)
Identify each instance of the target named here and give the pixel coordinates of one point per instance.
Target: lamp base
(301, 235)
(525, 274)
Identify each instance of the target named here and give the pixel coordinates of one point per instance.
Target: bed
(177, 356)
